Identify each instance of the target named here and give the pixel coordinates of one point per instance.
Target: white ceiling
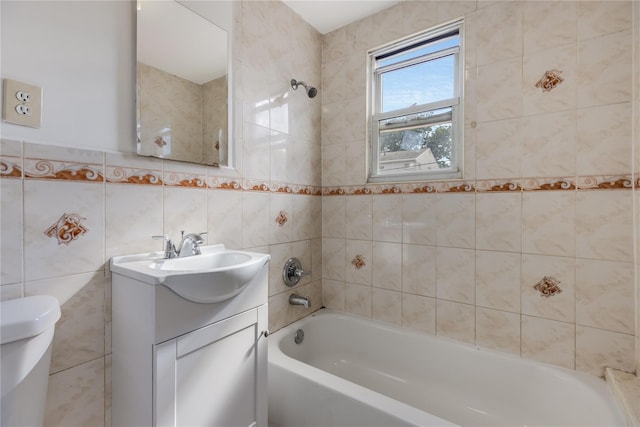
(166, 31)
(329, 15)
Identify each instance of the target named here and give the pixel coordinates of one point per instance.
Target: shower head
(311, 91)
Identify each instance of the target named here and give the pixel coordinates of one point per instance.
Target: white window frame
(375, 114)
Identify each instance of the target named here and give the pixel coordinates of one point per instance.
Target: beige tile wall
(407, 241)
(636, 138)
(121, 200)
(546, 190)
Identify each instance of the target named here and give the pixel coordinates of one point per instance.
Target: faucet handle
(169, 249)
(293, 271)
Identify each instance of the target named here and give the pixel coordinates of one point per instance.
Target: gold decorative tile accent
(68, 228)
(159, 141)
(358, 262)
(548, 286)
(282, 219)
(550, 80)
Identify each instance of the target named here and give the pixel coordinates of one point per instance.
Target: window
(416, 107)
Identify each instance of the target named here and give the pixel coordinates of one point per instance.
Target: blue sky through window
(418, 84)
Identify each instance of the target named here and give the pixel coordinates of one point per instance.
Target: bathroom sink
(201, 262)
(216, 275)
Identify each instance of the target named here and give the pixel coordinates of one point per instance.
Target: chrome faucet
(298, 300)
(189, 246)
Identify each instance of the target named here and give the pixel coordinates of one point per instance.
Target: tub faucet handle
(293, 271)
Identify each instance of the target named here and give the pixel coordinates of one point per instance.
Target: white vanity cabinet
(213, 376)
(177, 362)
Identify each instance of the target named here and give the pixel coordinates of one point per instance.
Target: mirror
(183, 97)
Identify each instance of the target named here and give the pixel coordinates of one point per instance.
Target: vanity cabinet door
(214, 376)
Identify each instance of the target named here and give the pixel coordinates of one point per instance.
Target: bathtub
(354, 372)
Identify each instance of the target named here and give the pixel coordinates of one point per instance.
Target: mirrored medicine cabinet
(183, 81)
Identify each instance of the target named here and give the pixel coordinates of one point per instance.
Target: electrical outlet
(23, 96)
(22, 104)
(23, 110)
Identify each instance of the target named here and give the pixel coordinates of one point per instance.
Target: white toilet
(26, 332)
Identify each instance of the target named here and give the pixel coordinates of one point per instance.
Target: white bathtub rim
(364, 395)
(590, 379)
(414, 415)
(407, 413)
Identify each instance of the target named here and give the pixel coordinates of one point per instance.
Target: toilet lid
(22, 318)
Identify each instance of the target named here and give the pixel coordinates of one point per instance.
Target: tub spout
(298, 300)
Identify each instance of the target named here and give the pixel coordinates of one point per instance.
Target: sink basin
(216, 275)
(201, 262)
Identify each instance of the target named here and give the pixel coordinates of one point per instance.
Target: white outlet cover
(11, 103)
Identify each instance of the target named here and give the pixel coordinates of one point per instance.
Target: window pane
(414, 148)
(421, 50)
(418, 84)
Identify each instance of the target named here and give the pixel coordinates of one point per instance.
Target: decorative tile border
(279, 187)
(255, 185)
(10, 167)
(223, 183)
(606, 182)
(421, 188)
(59, 170)
(495, 185)
(128, 175)
(15, 166)
(455, 187)
(181, 179)
(499, 185)
(537, 184)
